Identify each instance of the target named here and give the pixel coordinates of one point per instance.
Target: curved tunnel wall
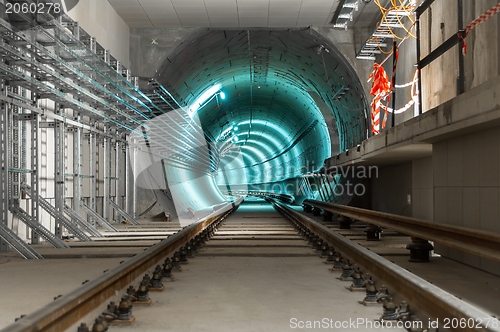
(256, 94)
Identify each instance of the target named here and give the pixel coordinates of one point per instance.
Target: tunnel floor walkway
(255, 274)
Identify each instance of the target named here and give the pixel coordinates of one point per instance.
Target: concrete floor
(27, 285)
(250, 280)
(263, 278)
(480, 288)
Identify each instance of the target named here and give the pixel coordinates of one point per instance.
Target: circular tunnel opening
(273, 104)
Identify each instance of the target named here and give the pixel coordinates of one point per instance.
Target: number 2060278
(33, 8)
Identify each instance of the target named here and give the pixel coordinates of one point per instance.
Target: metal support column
(59, 160)
(14, 161)
(133, 196)
(118, 178)
(106, 177)
(77, 166)
(127, 165)
(93, 174)
(35, 210)
(461, 65)
(4, 199)
(419, 73)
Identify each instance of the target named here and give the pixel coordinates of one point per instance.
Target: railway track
(261, 270)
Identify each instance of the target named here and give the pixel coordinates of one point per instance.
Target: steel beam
(100, 220)
(118, 181)
(59, 166)
(477, 242)
(128, 179)
(106, 177)
(4, 188)
(35, 189)
(123, 213)
(93, 174)
(443, 48)
(38, 228)
(9, 237)
(44, 204)
(81, 221)
(77, 167)
(133, 188)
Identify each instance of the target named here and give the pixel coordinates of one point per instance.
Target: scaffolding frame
(56, 76)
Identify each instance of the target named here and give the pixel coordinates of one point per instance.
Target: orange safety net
(381, 88)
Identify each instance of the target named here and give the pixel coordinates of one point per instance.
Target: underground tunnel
(271, 106)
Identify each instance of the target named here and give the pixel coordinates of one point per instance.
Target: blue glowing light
(204, 98)
(222, 95)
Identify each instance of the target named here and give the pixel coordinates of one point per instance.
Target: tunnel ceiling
(277, 85)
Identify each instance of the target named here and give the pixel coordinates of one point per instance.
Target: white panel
(166, 23)
(230, 4)
(124, 3)
(253, 3)
(224, 24)
(129, 10)
(253, 22)
(139, 25)
(155, 3)
(158, 12)
(191, 10)
(315, 11)
(220, 11)
(281, 6)
(252, 12)
(188, 3)
(163, 6)
(159, 17)
(135, 17)
(194, 22)
(282, 21)
(317, 21)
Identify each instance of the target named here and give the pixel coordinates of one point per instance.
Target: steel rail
(478, 242)
(68, 309)
(421, 293)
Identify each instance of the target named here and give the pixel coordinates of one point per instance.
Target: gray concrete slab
(468, 283)
(253, 288)
(26, 285)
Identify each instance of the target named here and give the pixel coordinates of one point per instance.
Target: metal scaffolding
(57, 77)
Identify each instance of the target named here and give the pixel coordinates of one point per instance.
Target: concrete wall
(440, 78)
(100, 20)
(422, 202)
(344, 42)
(467, 188)
(391, 189)
(149, 47)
